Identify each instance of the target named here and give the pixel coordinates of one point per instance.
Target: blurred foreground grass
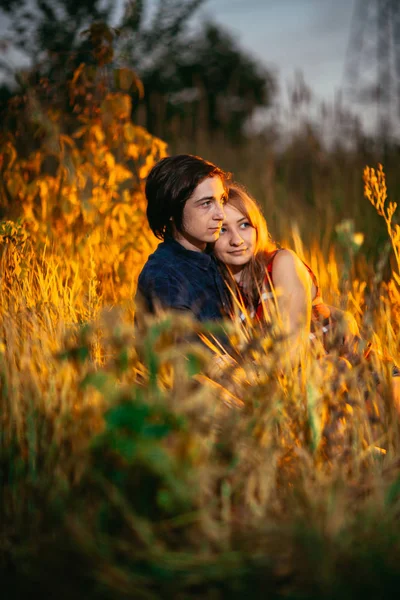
(132, 466)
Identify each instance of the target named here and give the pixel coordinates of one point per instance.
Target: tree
(227, 80)
(193, 79)
(76, 178)
(48, 32)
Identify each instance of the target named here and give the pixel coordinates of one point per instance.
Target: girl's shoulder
(282, 258)
(287, 266)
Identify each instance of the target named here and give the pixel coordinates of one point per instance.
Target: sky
(288, 36)
(291, 35)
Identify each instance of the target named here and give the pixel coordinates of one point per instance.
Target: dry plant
(124, 451)
(128, 453)
(375, 191)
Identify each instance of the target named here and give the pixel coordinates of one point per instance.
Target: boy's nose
(219, 214)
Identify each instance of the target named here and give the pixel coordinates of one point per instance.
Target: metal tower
(372, 68)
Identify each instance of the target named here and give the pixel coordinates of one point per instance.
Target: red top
(319, 309)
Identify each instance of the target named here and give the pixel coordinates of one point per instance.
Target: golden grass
(133, 451)
(138, 460)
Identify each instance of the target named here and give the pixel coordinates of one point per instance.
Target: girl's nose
(236, 240)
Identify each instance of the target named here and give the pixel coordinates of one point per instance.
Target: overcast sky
(310, 35)
(287, 35)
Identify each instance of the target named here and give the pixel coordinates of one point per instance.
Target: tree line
(193, 73)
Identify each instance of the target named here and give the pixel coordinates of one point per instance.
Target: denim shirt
(174, 277)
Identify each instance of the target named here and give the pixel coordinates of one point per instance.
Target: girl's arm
(293, 286)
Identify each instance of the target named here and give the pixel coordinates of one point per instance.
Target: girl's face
(237, 240)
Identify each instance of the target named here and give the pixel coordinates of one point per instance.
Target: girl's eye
(222, 230)
(245, 225)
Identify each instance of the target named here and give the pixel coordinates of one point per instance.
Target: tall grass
(136, 461)
(129, 456)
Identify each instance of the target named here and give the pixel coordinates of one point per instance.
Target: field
(133, 465)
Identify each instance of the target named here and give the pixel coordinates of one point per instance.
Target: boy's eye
(206, 203)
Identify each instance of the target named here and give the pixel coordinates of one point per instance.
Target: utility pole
(372, 68)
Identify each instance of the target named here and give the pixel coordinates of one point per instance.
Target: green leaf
(156, 430)
(393, 493)
(123, 359)
(151, 356)
(97, 380)
(129, 415)
(126, 446)
(313, 418)
(194, 365)
(79, 353)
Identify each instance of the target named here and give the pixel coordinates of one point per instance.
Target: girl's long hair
(253, 274)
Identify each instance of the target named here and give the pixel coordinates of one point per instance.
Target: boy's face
(203, 215)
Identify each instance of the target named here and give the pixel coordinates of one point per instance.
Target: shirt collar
(200, 259)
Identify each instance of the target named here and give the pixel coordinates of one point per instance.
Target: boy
(185, 196)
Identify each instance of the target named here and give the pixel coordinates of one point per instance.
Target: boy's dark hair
(170, 184)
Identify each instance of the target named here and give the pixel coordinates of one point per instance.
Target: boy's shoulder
(162, 263)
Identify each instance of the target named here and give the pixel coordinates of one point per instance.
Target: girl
(262, 272)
